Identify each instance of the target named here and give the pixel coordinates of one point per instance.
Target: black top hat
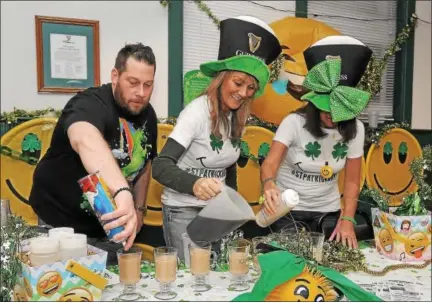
(247, 35)
(354, 54)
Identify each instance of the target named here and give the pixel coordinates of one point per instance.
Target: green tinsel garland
(15, 230)
(17, 114)
(371, 80)
(374, 136)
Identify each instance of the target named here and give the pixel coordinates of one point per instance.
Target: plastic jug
(223, 214)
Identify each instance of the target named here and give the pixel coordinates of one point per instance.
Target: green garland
(373, 136)
(13, 116)
(15, 230)
(371, 80)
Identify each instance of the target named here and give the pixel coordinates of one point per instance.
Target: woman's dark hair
(311, 113)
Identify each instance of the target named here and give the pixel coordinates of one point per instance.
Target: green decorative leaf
(388, 148)
(215, 143)
(313, 150)
(244, 149)
(31, 143)
(339, 151)
(403, 148)
(236, 143)
(263, 150)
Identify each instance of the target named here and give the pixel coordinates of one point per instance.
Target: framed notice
(67, 54)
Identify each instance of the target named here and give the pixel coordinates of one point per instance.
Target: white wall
(120, 22)
(421, 103)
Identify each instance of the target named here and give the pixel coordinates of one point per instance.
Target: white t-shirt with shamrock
(300, 169)
(205, 155)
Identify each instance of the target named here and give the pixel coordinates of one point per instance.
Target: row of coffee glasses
(239, 250)
(166, 262)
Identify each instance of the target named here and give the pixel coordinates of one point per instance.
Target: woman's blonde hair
(218, 118)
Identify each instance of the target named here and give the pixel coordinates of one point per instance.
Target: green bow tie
(343, 102)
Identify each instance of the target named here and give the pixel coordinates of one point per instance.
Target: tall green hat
(281, 266)
(247, 44)
(336, 65)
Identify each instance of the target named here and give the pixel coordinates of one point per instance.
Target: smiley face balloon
(387, 165)
(255, 141)
(29, 139)
(283, 96)
(309, 286)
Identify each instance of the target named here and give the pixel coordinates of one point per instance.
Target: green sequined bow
(344, 102)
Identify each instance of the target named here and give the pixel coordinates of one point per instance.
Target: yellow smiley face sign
(309, 286)
(283, 95)
(22, 147)
(256, 142)
(387, 165)
(154, 205)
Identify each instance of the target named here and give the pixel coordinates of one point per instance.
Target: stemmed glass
(238, 254)
(130, 272)
(200, 252)
(166, 270)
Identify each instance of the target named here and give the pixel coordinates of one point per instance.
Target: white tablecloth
(399, 285)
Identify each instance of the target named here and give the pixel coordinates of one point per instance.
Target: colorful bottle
(289, 200)
(98, 196)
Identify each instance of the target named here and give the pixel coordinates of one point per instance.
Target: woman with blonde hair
(201, 153)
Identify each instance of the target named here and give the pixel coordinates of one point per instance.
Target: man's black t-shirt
(56, 195)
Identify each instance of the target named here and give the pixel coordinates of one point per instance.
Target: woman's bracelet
(264, 182)
(126, 188)
(349, 219)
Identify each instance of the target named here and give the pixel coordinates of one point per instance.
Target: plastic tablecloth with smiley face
(399, 285)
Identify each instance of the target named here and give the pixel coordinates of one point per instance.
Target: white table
(399, 285)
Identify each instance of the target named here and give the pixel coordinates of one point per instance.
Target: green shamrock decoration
(215, 143)
(339, 151)
(244, 149)
(236, 143)
(263, 150)
(313, 150)
(31, 143)
(388, 148)
(403, 148)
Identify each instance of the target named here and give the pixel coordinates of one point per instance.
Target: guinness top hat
(248, 45)
(336, 65)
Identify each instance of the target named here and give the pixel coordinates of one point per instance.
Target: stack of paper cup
(60, 232)
(73, 246)
(44, 250)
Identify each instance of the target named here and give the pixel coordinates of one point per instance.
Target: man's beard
(120, 100)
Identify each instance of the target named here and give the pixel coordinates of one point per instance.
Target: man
(111, 129)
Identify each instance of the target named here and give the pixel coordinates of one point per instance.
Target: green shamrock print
(313, 150)
(244, 149)
(263, 150)
(236, 143)
(388, 148)
(215, 143)
(339, 151)
(403, 148)
(31, 143)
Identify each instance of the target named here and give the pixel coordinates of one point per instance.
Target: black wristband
(122, 189)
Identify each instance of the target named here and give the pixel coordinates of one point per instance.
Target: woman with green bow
(313, 144)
